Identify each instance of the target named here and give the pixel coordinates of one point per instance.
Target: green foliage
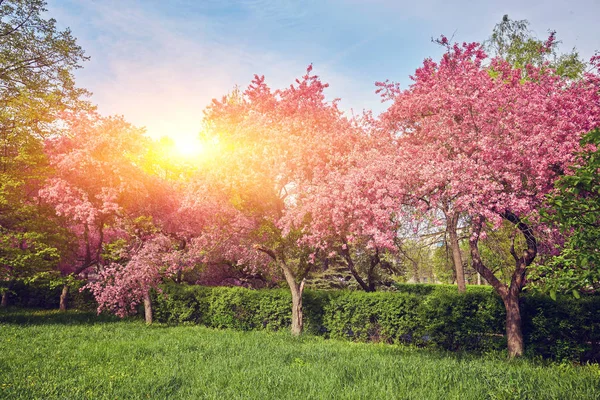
(37, 61)
(564, 329)
(434, 316)
(235, 308)
(442, 264)
(456, 321)
(176, 304)
(512, 40)
(424, 315)
(378, 317)
(44, 292)
(575, 208)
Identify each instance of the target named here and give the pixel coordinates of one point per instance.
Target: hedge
(434, 316)
(424, 315)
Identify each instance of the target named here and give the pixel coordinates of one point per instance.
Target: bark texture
(148, 308)
(452, 228)
(63, 298)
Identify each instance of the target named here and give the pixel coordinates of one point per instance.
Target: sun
(188, 146)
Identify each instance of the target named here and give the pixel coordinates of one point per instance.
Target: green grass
(47, 355)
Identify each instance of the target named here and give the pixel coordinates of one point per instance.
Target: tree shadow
(21, 316)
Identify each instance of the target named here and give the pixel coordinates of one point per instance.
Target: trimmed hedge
(423, 315)
(236, 308)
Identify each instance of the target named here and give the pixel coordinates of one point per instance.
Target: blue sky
(159, 63)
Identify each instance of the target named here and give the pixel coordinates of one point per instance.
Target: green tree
(37, 61)
(575, 208)
(513, 41)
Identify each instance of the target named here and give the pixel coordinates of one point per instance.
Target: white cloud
(150, 69)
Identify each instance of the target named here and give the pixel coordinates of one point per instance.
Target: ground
(45, 354)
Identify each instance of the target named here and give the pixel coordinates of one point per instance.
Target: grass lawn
(47, 355)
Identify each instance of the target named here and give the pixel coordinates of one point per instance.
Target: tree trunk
(4, 301)
(452, 228)
(297, 316)
(415, 271)
(353, 271)
(509, 294)
(296, 290)
(148, 308)
(63, 298)
(514, 332)
(479, 279)
(373, 263)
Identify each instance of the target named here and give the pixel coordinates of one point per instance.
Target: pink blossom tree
(480, 138)
(136, 268)
(352, 209)
(96, 185)
(273, 144)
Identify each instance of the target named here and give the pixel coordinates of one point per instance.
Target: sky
(160, 63)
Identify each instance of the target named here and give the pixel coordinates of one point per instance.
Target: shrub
(41, 294)
(462, 321)
(384, 316)
(565, 329)
(177, 304)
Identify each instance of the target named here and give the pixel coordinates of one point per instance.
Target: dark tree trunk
(373, 263)
(63, 298)
(514, 331)
(452, 229)
(148, 308)
(509, 294)
(351, 267)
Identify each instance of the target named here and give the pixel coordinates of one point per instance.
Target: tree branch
(478, 263)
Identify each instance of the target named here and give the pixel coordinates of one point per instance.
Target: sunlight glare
(189, 147)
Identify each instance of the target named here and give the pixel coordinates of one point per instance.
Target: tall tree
(36, 85)
(477, 132)
(272, 144)
(350, 210)
(97, 184)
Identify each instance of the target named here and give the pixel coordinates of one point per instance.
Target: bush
(41, 294)
(565, 329)
(379, 317)
(462, 321)
(177, 304)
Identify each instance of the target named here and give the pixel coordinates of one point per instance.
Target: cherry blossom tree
(96, 184)
(352, 210)
(139, 265)
(475, 137)
(273, 144)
